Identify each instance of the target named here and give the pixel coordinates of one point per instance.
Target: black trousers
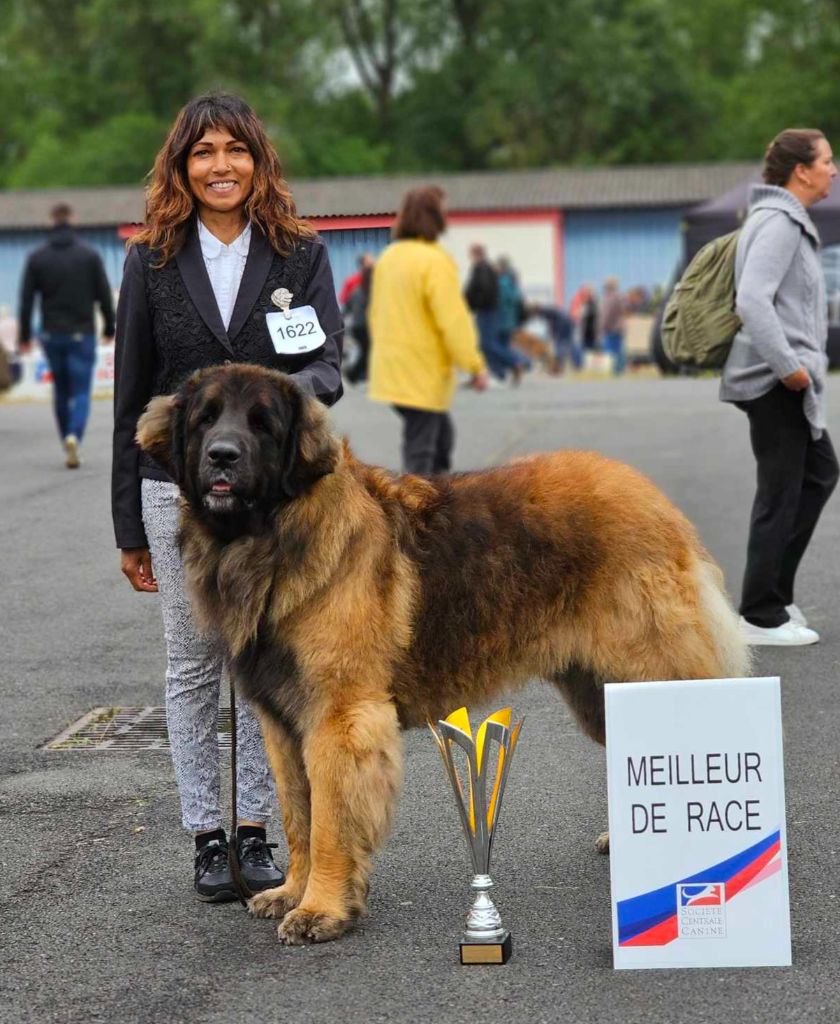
(795, 477)
(428, 440)
(359, 370)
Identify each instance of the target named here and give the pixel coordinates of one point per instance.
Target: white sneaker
(789, 634)
(71, 450)
(797, 616)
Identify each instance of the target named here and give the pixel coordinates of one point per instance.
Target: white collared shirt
(225, 265)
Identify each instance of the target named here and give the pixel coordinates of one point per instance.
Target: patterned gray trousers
(193, 679)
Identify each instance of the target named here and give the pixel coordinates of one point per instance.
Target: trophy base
(487, 952)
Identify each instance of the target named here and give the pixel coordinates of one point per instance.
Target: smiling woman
(222, 237)
(220, 170)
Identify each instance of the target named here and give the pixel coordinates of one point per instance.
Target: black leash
(244, 890)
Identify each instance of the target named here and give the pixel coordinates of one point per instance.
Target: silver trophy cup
(485, 941)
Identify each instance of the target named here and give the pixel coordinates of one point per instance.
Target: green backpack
(700, 323)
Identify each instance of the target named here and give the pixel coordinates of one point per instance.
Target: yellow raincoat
(420, 327)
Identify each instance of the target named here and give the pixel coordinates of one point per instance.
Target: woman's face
(821, 173)
(220, 171)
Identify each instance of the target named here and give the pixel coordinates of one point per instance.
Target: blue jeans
(519, 358)
(614, 344)
(72, 358)
(500, 358)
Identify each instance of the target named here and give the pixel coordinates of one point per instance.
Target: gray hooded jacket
(780, 298)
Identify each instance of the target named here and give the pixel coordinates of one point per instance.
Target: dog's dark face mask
(240, 442)
(237, 445)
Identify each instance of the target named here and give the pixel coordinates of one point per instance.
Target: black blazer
(169, 325)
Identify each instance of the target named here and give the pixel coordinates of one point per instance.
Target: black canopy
(718, 216)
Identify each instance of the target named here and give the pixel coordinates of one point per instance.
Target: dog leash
(244, 891)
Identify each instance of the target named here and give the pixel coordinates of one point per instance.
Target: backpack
(700, 323)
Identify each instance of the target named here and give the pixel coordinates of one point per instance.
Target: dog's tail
(722, 622)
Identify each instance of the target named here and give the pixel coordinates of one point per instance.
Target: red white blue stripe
(651, 919)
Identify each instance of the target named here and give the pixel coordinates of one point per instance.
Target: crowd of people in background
(514, 331)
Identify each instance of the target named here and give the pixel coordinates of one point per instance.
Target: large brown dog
(354, 602)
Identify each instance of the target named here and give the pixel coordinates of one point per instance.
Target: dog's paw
(602, 843)
(275, 902)
(300, 927)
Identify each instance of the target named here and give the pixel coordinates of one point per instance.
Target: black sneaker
(213, 882)
(256, 864)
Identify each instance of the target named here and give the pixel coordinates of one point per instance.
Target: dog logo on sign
(702, 895)
(701, 910)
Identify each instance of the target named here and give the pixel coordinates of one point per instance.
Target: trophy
(484, 941)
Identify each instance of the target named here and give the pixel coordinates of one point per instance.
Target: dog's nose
(223, 453)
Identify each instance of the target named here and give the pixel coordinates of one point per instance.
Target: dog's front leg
(354, 764)
(286, 759)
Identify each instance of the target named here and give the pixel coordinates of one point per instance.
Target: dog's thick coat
(354, 602)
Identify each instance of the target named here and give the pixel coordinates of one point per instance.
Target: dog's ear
(160, 433)
(311, 449)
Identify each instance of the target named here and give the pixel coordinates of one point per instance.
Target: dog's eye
(207, 417)
(258, 420)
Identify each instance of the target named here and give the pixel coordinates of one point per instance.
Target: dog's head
(239, 441)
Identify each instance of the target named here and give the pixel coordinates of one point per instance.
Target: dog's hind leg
(354, 766)
(655, 625)
(286, 759)
(583, 691)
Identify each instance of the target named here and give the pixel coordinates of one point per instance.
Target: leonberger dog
(355, 602)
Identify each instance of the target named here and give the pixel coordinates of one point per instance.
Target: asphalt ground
(97, 920)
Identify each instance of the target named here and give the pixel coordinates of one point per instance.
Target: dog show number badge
(293, 331)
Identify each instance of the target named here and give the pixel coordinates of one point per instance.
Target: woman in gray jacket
(776, 372)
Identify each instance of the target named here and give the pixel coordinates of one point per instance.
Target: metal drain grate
(126, 729)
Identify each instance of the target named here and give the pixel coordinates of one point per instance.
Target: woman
(511, 306)
(611, 316)
(356, 308)
(421, 330)
(222, 237)
(775, 373)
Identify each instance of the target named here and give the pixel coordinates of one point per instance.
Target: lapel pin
(282, 297)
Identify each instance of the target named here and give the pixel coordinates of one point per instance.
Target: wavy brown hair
(421, 214)
(170, 204)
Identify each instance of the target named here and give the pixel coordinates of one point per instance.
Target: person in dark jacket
(510, 313)
(611, 321)
(356, 309)
(482, 295)
(584, 313)
(69, 278)
(222, 241)
(562, 328)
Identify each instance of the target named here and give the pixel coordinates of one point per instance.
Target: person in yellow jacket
(421, 331)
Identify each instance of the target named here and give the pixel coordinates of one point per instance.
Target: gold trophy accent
(484, 941)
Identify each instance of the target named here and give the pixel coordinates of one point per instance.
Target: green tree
(89, 87)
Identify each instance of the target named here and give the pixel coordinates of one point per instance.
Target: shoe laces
(256, 852)
(213, 856)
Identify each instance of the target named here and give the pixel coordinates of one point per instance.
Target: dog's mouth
(221, 497)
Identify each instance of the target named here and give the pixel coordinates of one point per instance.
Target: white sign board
(36, 379)
(698, 852)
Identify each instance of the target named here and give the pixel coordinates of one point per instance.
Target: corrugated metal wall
(344, 248)
(15, 246)
(639, 247)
